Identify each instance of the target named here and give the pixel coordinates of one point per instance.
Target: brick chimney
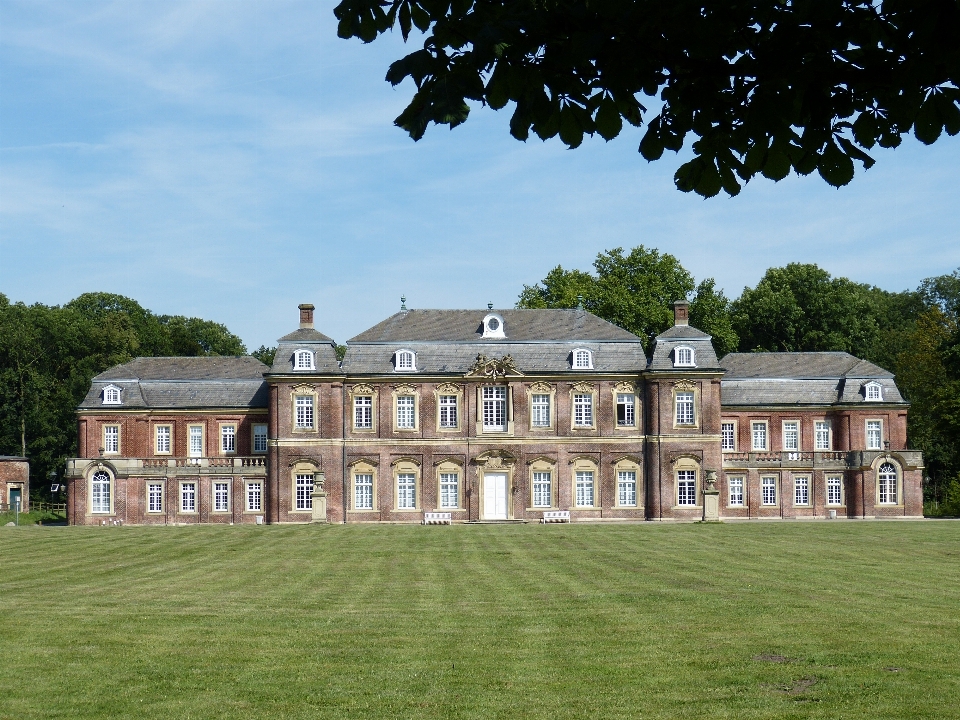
(306, 316)
(680, 315)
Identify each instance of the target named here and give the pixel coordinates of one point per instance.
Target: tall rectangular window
(228, 439)
(155, 498)
(363, 491)
(195, 448)
(541, 410)
(821, 436)
(686, 487)
(363, 412)
(221, 497)
(801, 491)
(874, 435)
(728, 440)
(759, 435)
(768, 486)
(736, 491)
(495, 408)
(448, 411)
(406, 491)
(406, 412)
(584, 489)
(111, 439)
(100, 492)
(303, 491)
(583, 410)
(834, 490)
(304, 412)
(626, 410)
(162, 439)
(259, 438)
(188, 497)
(542, 490)
(254, 496)
(685, 414)
(449, 490)
(791, 435)
(627, 487)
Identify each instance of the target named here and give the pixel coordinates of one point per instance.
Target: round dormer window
(493, 324)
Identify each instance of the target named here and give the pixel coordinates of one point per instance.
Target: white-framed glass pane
(791, 436)
(584, 489)
(541, 411)
(583, 410)
(727, 437)
(111, 439)
(363, 412)
(254, 496)
(626, 409)
(303, 490)
(495, 408)
(873, 392)
(304, 360)
(874, 435)
(449, 490)
(406, 491)
(759, 434)
(228, 438)
(405, 361)
(363, 491)
(100, 493)
(448, 411)
(188, 497)
(627, 487)
(196, 441)
(581, 359)
(834, 490)
(685, 408)
(736, 490)
(821, 432)
(259, 438)
(686, 487)
(542, 490)
(768, 486)
(304, 411)
(887, 478)
(801, 487)
(221, 497)
(163, 438)
(406, 415)
(154, 498)
(684, 356)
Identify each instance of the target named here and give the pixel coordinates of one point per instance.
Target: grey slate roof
(448, 341)
(664, 345)
(324, 351)
(182, 382)
(802, 378)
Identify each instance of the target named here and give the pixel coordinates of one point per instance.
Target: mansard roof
(666, 343)
(182, 382)
(324, 351)
(539, 341)
(802, 378)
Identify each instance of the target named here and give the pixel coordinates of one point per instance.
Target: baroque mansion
(493, 416)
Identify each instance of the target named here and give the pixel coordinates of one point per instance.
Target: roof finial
(403, 302)
(579, 302)
(489, 306)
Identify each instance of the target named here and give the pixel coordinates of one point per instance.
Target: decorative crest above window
(493, 368)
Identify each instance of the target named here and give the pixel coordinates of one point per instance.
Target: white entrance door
(495, 496)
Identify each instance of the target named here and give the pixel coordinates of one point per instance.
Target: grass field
(766, 620)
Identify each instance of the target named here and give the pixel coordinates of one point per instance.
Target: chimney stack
(680, 316)
(306, 316)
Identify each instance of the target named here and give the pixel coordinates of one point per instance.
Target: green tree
(265, 354)
(762, 87)
(710, 311)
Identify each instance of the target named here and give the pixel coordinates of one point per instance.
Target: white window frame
(787, 433)
(302, 492)
(888, 485)
(834, 490)
(735, 495)
(406, 491)
(228, 439)
(542, 488)
(304, 360)
(221, 496)
(873, 392)
(726, 446)
(304, 412)
(582, 359)
(448, 408)
(406, 412)
(494, 408)
(363, 493)
(684, 356)
(188, 497)
(869, 433)
(101, 493)
(685, 400)
(162, 439)
(822, 435)
(253, 496)
(801, 491)
(759, 442)
(629, 403)
(154, 498)
(111, 395)
(405, 361)
(583, 409)
(494, 330)
(449, 490)
(256, 444)
(111, 439)
(196, 441)
(627, 488)
(540, 410)
(585, 488)
(363, 412)
(687, 488)
(768, 490)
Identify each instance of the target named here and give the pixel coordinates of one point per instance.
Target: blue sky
(230, 160)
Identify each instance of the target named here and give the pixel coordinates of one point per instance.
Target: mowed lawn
(765, 620)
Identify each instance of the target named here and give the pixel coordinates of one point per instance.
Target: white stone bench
(437, 518)
(552, 516)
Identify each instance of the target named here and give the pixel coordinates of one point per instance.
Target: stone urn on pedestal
(711, 498)
(319, 498)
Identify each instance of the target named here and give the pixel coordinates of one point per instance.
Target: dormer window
(405, 361)
(493, 327)
(111, 395)
(873, 391)
(582, 359)
(683, 357)
(303, 360)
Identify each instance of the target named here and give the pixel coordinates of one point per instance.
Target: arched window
(873, 391)
(887, 480)
(111, 395)
(405, 361)
(303, 360)
(100, 493)
(683, 357)
(582, 359)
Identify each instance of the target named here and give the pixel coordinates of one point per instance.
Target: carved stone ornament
(684, 386)
(363, 389)
(625, 387)
(583, 387)
(449, 389)
(540, 387)
(404, 389)
(493, 368)
(303, 388)
(495, 459)
(494, 462)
